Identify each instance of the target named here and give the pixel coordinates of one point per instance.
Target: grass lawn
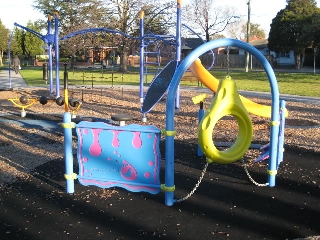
(303, 84)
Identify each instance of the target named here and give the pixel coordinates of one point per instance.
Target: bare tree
(118, 15)
(234, 30)
(207, 19)
(126, 16)
(238, 30)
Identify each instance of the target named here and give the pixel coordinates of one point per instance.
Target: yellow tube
(212, 83)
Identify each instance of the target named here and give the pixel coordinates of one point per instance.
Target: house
(280, 58)
(189, 44)
(237, 56)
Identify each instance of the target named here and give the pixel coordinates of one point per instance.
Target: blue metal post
(50, 55)
(68, 158)
(169, 152)
(178, 48)
(141, 55)
(56, 43)
(281, 131)
(200, 116)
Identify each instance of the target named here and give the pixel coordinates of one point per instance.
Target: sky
(19, 11)
(262, 11)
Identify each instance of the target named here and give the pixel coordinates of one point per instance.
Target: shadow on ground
(225, 206)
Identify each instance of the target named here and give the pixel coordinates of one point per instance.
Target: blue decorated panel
(113, 156)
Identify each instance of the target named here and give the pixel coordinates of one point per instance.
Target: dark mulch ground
(225, 206)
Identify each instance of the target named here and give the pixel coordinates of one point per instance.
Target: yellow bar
(141, 14)
(199, 98)
(164, 188)
(13, 100)
(66, 100)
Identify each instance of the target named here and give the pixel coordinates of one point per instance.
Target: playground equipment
(104, 162)
(150, 39)
(51, 39)
(168, 39)
(200, 100)
(226, 102)
(25, 102)
(145, 40)
(69, 104)
(212, 83)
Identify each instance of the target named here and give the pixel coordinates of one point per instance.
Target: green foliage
(17, 45)
(255, 30)
(292, 28)
(64, 59)
(32, 44)
(316, 28)
(4, 36)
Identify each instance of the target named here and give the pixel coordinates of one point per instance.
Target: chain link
(249, 176)
(196, 186)
(205, 170)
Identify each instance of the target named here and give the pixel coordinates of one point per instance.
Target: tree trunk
(1, 55)
(298, 60)
(123, 60)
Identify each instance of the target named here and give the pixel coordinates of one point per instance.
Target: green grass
(303, 84)
(87, 76)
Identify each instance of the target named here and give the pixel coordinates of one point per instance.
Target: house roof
(257, 42)
(260, 43)
(191, 43)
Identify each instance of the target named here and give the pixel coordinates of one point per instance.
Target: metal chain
(196, 186)
(203, 173)
(249, 176)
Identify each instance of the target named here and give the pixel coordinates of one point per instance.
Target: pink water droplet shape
(95, 148)
(115, 141)
(136, 141)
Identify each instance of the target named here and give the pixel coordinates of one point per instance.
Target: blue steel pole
(281, 133)
(178, 48)
(141, 55)
(50, 55)
(56, 42)
(169, 171)
(200, 117)
(68, 152)
(277, 151)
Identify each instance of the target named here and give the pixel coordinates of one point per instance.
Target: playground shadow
(225, 206)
